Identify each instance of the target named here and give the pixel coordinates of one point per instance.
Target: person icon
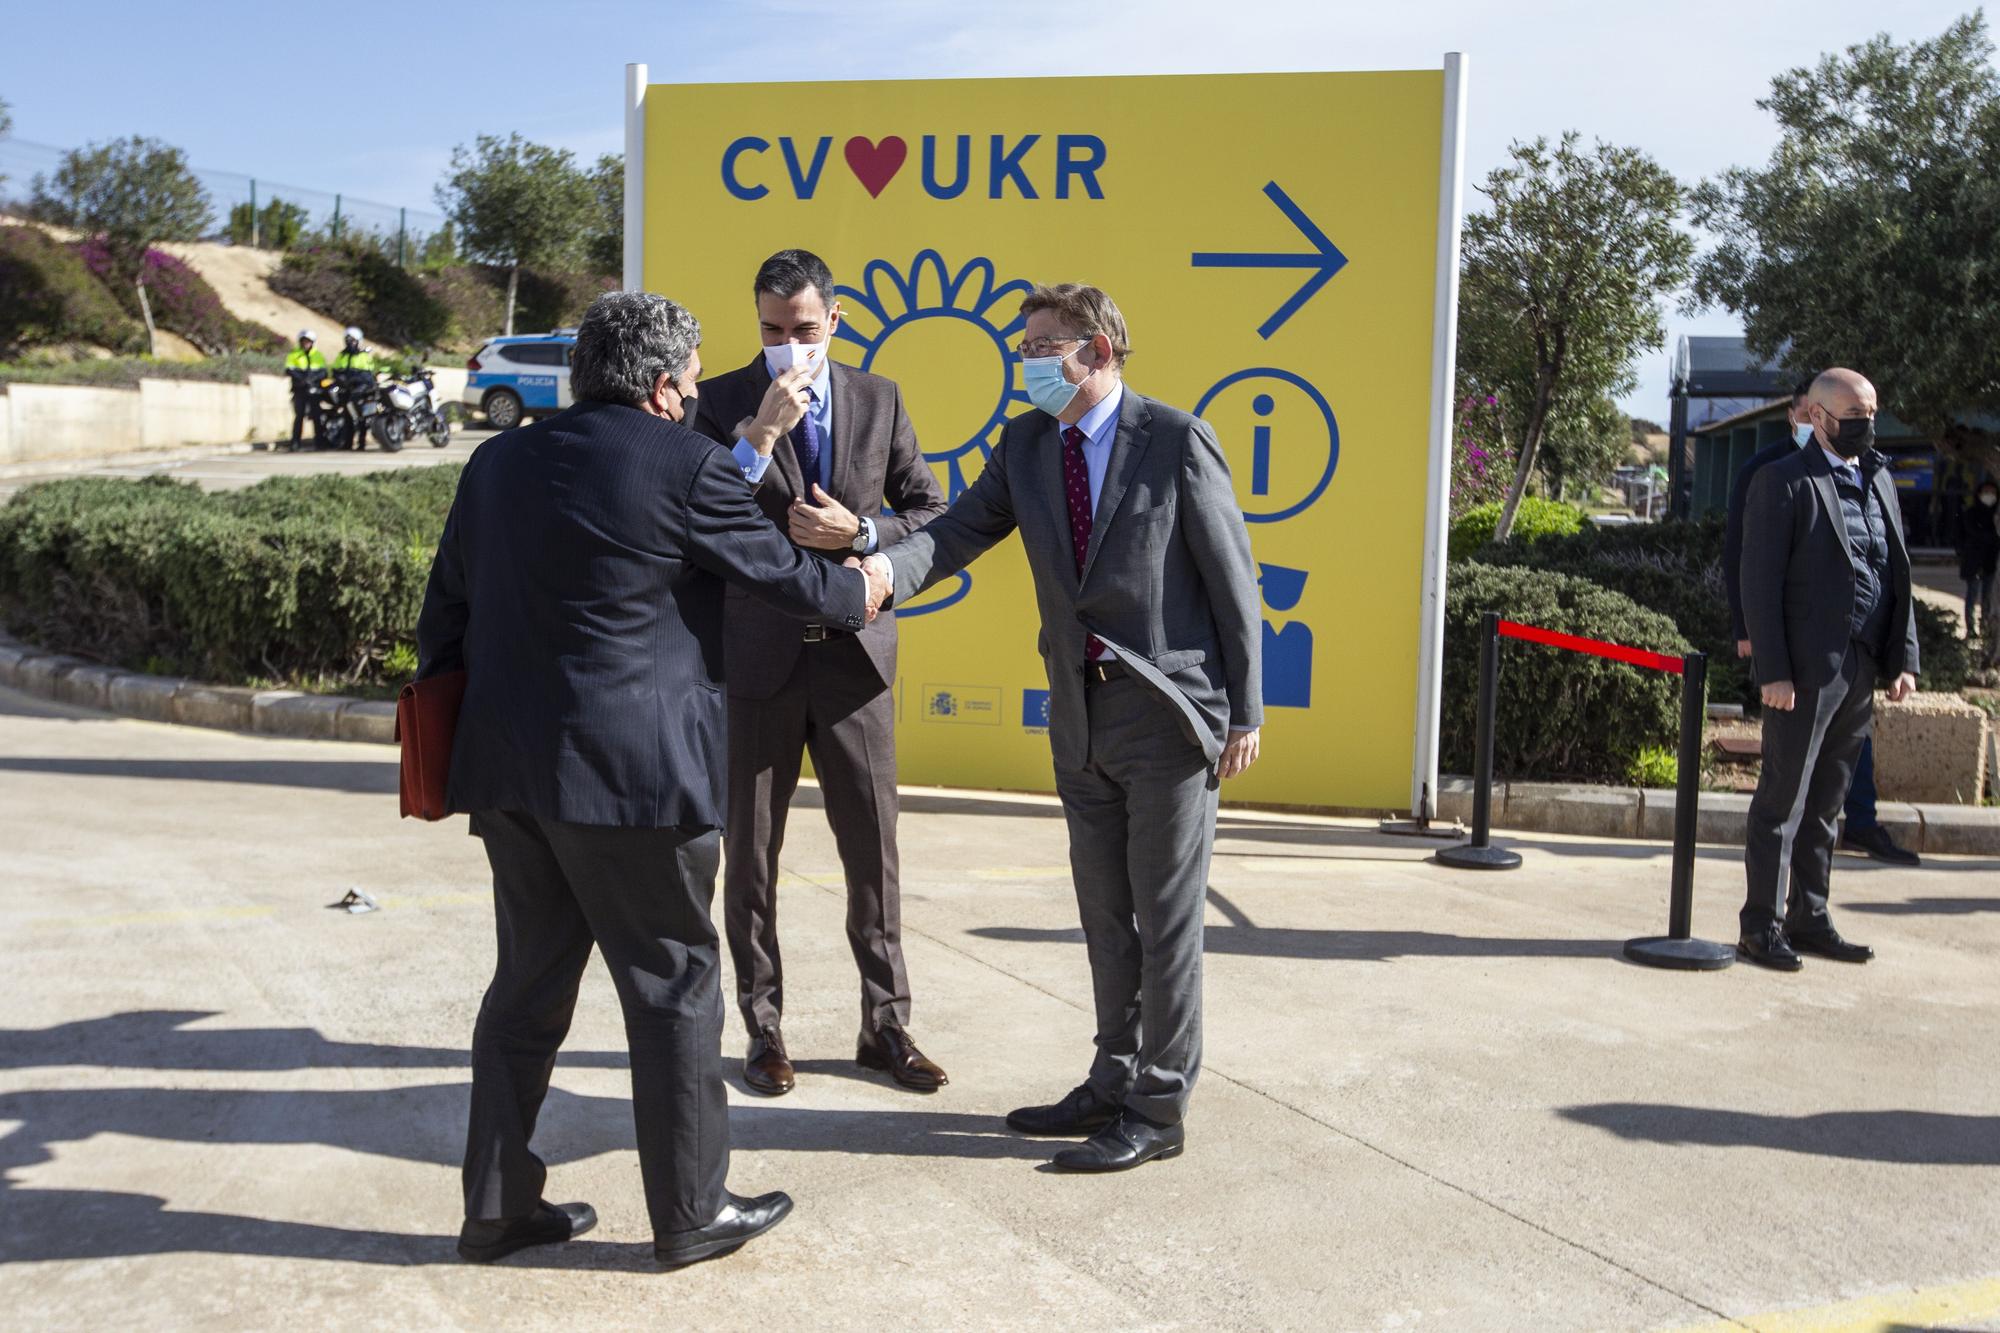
(1288, 652)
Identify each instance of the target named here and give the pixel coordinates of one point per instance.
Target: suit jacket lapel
(841, 396)
(1127, 449)
(1820, 473)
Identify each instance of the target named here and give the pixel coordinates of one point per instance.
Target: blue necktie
(805, 444)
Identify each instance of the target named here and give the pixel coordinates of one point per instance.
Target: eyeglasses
(1047, 346)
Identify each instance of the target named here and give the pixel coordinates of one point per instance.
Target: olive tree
(519, 204)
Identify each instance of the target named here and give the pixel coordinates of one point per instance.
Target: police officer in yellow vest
(355, 367)
(307, 366)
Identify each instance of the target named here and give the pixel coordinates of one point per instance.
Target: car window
(534, 354)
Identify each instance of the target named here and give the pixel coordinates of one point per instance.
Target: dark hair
(789, 272)
(627, 340)
(1803, 389)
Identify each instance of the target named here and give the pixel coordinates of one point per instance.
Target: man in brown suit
(824, 447)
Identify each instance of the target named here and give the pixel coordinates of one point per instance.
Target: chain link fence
(251, 210)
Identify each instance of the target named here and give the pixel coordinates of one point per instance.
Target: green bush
(297, 578)
(1534, 520)
(357, 284)
(1674, 568)
(1945, 658)
(1654, 766)
(1560, 714)
(125, 372)
(49, 297)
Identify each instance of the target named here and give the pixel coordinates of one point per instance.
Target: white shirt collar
(1839, 464)
(1103, 411)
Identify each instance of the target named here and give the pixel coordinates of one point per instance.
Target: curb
(1720, 817)
(1630, 813)
(39, 468)
(289, 714)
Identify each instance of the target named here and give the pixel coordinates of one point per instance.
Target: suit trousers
(643, 896)
(1141, 813)
(835, 706)
(1809, 759)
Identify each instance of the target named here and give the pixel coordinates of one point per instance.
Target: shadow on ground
(377, 777)
(424, 1123)
(1910, 1138)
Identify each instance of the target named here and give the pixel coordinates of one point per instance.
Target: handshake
(881, 581)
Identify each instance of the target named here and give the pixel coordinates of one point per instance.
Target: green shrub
(315, 578)
(182, 302)
(49, 297)
(1945, 658)
(125, 372)
(1654, 766)
(356, 284)
(1560, 714)
(1534, 520)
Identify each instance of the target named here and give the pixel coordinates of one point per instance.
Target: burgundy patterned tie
(1076, 484)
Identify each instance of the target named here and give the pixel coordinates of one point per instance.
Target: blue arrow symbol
(1325, 258)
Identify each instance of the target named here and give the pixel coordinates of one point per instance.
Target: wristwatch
(864, 534)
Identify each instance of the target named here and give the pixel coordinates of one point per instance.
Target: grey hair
(627, 340)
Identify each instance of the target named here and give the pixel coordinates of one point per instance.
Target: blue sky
(370, 100)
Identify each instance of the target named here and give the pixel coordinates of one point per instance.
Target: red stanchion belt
(1617, 652)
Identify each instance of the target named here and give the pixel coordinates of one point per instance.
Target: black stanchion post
(1678, 948)
(1480, 854)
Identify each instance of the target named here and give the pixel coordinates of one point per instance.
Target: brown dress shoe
(767, 1069)
(890, 1048)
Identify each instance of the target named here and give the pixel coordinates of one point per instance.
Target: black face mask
(689, 401)
(1853, 436)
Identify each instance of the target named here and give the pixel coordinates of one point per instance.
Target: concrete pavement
(1432, 1099)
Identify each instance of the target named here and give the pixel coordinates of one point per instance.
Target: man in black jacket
(1826, 598)
(1860, 829)
(579, 585)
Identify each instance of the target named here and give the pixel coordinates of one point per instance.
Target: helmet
(353, 333)
(308, 333)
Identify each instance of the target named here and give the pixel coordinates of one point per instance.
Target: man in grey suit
(1826, 598)
(1151, 634)
(824, 447)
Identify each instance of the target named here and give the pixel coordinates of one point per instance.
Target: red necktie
(1076, 484)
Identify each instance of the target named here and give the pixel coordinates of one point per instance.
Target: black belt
(823, 633)
(1109, 668)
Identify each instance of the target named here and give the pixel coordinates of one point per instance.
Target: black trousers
(303, 411)
(836, 706)
(643, 897)
(1809, 758)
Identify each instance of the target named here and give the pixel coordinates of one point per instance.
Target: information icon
(1280, 437)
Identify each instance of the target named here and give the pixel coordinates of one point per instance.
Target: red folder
(426, 721)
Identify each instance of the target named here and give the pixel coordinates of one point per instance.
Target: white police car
(526, 375)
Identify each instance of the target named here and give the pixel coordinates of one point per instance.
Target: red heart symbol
(875, 164)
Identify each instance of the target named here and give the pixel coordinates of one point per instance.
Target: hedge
(1561, 715)
(296, 578)
(1534, 520)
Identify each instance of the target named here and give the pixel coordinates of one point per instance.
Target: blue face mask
(1802, 434)
(1042, 380)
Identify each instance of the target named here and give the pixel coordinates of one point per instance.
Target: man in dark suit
(1826, 600)
(824, 447)
(579, 585)
(1152, 633)
(1860, 829)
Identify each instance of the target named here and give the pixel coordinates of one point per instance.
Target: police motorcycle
(360, 396)
(413, 412)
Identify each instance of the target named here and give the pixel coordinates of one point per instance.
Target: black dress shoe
(483, 1242)
(1082, 1112)
(891, 1049)
(767, 1069)
(1129, 1141)
(1828, 944)
(1877, 843)
(1769, 950)
(740, 1221)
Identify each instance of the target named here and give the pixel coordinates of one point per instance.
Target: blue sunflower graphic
(947, 339)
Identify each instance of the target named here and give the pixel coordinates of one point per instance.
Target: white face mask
(784, 356)
(1989, 499)
(1802, 434)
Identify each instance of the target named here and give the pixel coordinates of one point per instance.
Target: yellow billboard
(1282, 248)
